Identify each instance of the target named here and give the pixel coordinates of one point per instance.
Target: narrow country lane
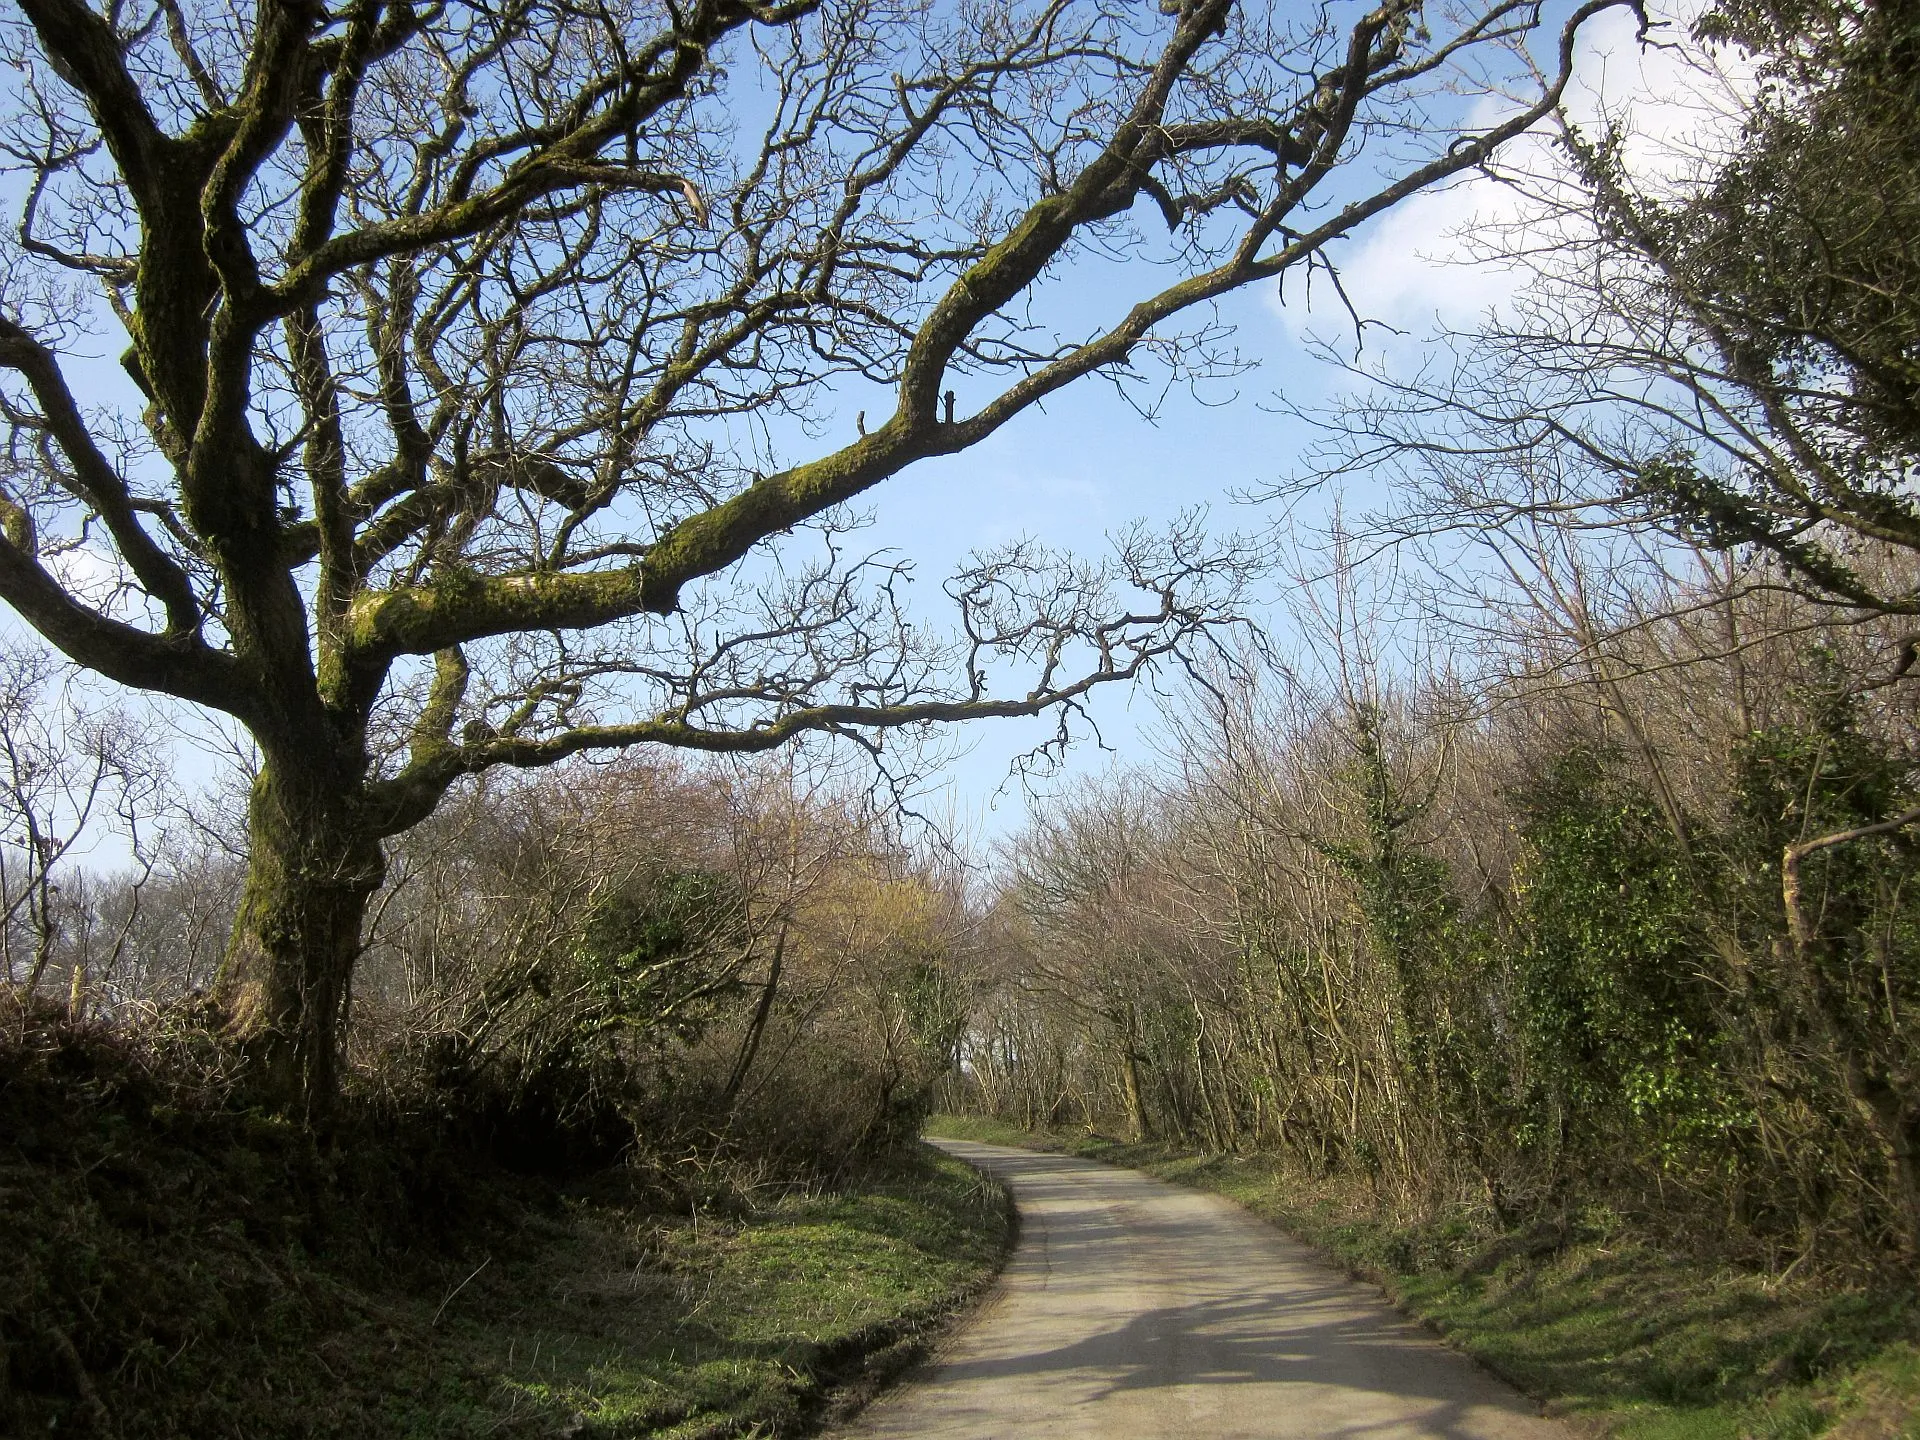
(1136, 1309)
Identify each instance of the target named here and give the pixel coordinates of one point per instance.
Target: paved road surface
(1136, 1309)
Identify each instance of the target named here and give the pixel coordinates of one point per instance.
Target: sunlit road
(1133, 1308)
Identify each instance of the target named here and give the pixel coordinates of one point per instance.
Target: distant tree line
(1518, 947)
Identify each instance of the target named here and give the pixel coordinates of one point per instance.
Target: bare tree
(485, 356)
(70, 768)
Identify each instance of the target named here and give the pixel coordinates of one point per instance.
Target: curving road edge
(1132, 1308)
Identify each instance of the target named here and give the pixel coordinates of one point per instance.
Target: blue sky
(1071, 476)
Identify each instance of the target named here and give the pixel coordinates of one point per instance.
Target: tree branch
(98, 483)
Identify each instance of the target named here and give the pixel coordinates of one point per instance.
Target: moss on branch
(461, 605)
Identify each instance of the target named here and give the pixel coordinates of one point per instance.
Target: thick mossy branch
(461, 606)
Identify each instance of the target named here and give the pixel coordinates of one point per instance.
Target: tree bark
(1138, 1123)
(314, 862)
(1896, 1125)
(756, 1028)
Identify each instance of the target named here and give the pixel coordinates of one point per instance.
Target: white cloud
(1443, 256)
(1412, 267)
(89, 572)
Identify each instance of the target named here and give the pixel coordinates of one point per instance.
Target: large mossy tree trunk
(313, 865)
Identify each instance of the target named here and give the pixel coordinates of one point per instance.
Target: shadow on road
(1136, 1308)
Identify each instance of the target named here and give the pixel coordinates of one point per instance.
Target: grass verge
(623, 1323)
(1598, 1324)
(173, 1266)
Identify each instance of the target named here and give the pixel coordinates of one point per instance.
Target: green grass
(172, 1266)
(1638, 1340)
(625, 1325)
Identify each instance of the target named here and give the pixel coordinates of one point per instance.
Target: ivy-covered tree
(1812, 797)
(1620, 1025)
(1729, 354)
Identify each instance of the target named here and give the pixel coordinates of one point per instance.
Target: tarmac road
(1133, 1309)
